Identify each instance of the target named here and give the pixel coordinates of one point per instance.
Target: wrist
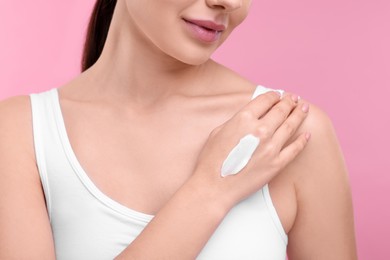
(208, 193)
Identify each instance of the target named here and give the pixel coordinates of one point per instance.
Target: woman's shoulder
(15, 112)
(16, 126)
(234, 81)
(323, 142)
(322, 150)
(231, 81)
(318, 120)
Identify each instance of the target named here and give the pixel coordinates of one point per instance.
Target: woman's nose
(226, 5)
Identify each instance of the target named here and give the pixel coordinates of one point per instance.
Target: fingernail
(305, 108)
(307, 136)
(295, 98)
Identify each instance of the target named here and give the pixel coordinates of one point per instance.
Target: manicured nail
(305, 108)
(295, 98)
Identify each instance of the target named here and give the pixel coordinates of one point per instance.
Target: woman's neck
(133, 69)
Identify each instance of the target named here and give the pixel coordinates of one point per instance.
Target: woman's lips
(205, 31)
(207, 24)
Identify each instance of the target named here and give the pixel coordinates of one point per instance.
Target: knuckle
(289, 99)
(298, 114)
(245, 115)
(277, 164)
(263, 132)
(303, 143)
(299, 146)
(282, 110)
(269, 98)
(289, 103)
(270, 150)
(289, 128)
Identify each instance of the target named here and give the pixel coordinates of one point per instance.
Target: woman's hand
(182, 219)
(268, 117)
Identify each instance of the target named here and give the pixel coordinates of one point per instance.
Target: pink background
(335, 53)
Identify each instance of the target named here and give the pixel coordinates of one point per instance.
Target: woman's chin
(195, 62)
(193, 58)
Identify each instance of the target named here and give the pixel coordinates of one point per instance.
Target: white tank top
(87, 224)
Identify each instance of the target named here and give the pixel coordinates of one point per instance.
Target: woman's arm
(324, 225)
(24, 225)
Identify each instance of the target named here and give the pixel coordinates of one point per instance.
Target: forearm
(181, 228)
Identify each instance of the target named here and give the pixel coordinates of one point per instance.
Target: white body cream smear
(240, 155)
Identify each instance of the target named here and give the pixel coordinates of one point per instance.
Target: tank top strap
(45, 136)
(262, 90)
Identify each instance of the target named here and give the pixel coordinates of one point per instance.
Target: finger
(271, 121)
(258, 106)
(292, 150)
(290, 125)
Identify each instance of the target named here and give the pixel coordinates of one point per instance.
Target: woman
(124, 161)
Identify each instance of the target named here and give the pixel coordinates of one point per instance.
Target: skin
(136, 87)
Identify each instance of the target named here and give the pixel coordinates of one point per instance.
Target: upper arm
(323, 227)
(25, 231)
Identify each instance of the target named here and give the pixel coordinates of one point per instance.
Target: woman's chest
(141, 162)
(138, 162)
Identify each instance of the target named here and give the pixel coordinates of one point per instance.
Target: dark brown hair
(97, 31)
